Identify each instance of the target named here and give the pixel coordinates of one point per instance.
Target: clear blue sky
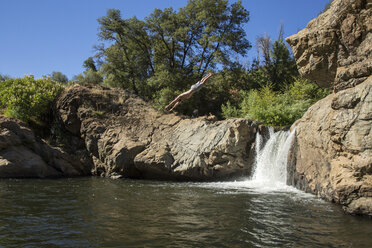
(41, 36)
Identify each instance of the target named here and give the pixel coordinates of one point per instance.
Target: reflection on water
(96, 212)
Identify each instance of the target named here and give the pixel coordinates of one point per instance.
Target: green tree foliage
(59, 77)
(279, 67)
(170, 50)
(91, 75)
(164, 54)
(90, 64)
(274, 107)
(283, 66)
(230, 111)
(26, 98)
(265, 95)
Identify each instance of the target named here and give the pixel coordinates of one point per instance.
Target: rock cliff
(113, 133)
(23, 155)
(332, 155)
(127, 137)
(334, 50)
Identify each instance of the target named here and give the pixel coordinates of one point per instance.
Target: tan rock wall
(335, 50)
(23, 155)
(130, 139)
(332, 155)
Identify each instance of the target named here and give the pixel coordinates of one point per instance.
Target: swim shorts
(197, 86)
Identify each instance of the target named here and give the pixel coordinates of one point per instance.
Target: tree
(91, 75)
(276, 72)
(59, 77)
(264, 46)
(128, 61)
(283, 68)
(279, 68)
(90, 64)
(180, 46)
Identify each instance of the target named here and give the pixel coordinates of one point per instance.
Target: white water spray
(271, 159)
(270, 169)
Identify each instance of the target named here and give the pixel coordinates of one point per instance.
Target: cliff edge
(114, 133)
(126, 137)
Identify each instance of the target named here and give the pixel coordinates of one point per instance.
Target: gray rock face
(23, 155)
(126, 137)
(332, 155)
(200, 150)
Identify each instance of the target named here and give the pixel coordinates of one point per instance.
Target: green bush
(89, 77)
(229, 111)
(302, 89)
(163, 98)
(26, 98)
(277, 108)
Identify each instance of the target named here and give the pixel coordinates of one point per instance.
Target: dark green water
(97, 212)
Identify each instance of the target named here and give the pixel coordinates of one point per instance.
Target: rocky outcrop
(23, 155)
(332, 155)
(334, 50)
(114, 133)
(127, 137)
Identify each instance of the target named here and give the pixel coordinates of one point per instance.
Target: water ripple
(96, 212)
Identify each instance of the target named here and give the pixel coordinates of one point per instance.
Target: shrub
(230, 111)
(277, 108)
(89, 77)
(26, 98)
(302, 89)
(163, 98)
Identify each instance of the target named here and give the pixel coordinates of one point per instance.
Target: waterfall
(270, 168)
(271, 159)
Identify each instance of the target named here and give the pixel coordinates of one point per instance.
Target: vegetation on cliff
(164, 54)
(27, 98)
(276, 108)
(160, 57)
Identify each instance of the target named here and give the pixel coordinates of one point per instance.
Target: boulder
(197, 149)
(332, 152)
(23, 155)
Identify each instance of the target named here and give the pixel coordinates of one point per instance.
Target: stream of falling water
(271, 159)
(270, 167)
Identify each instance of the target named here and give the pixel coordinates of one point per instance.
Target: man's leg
(174, 101)
(206, 77)
(170, 104)
(179, 98)
(175, 105)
